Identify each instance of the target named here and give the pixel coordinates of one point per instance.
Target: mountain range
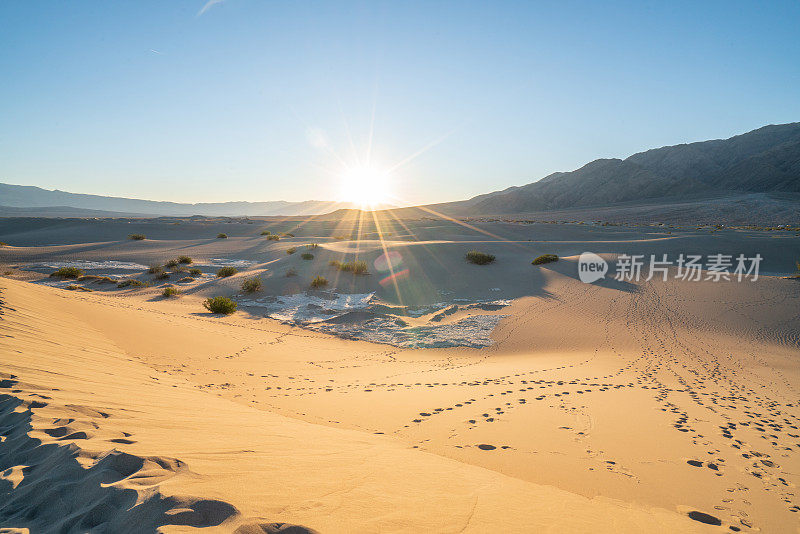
(766, 160)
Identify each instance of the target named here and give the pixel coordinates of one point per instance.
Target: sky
(199, 101)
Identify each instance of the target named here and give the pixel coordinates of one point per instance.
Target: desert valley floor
(650, 406)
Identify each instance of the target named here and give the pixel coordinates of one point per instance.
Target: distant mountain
(766, 160)
(25, 196)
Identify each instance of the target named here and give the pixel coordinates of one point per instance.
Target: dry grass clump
(137, 237)
(479, 258)
(131, 282)
(222, 305)
(170, 291)
(251, 285)
(3, 244)
(545, 258)
(312, 245)
(273, 237)
(171, 263)
(222, 236)
(318, 282)
(155, 269)
(307, 256)
(186, 280)
(266, 232)
(98, 279)
(67, 272)
(186, 260)
(226, 272)
(76, 287)
(291, 250)
(195, 272)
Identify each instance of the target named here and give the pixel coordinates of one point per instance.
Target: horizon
(224, 101)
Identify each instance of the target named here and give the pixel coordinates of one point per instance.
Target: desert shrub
(291, 250)
(286, 234)
(162, 276)
(307, 256)
(2, 244)
(291, 272)
(222, 236)
(195, 272)
(67, 272)
(170, 291)
(155, 269)
(222, 305)
(545, 258)
(266, 232)
(76, 287)
(137, 237)
(95, 278)
(355, 267)
(131, 282)
(335, 263)
(180, 269)
(479, 258)
(171, 263)
(226, 271)
(312, 245)
(186, 260)
(273, 237)
(251, 285)
(319, 281)
(186, 280)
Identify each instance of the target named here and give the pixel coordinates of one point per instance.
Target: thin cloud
(209, 5)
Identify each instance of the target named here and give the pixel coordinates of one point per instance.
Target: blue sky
(268, 100)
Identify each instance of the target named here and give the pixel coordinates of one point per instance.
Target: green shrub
(131, 282)
(319, 281)
(307, 256)
(171, 263)
(291, 272)
(291, 250)
(137, 237)
(195, 272)
(67, 272)
(222, 305)
(155, 269)
(545, 258)
(226, 272)
(479, 258)
(273, 237)
(251, 285)
(266, 232)
(355, 267)
(222, 236)
(162, 276)
(186, 260)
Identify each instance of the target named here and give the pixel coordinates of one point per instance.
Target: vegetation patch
(273, 237)
(226, 272)
(479, 258)
(162, 276)
(307, 256)
(137, 237)
(98, 279)
(251, 285)
(171, 263)
(76, 287)
(545, 258)
(170, 291)
(222, 305)
(312, 245)
(266, 232)
(186, 280)
(195, 272)
(355, 267)
(291, 272)
(67, 272)
(155, 269)
(131, 282)
(186, 260)
(222, 236)
(318, 282)
(291, 250)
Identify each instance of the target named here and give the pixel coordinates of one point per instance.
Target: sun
(364, 186)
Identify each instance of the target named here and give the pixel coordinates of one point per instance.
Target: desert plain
(442, 397)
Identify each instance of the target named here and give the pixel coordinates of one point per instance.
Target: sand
(636, 407)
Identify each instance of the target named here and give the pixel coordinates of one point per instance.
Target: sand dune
(616, 407)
